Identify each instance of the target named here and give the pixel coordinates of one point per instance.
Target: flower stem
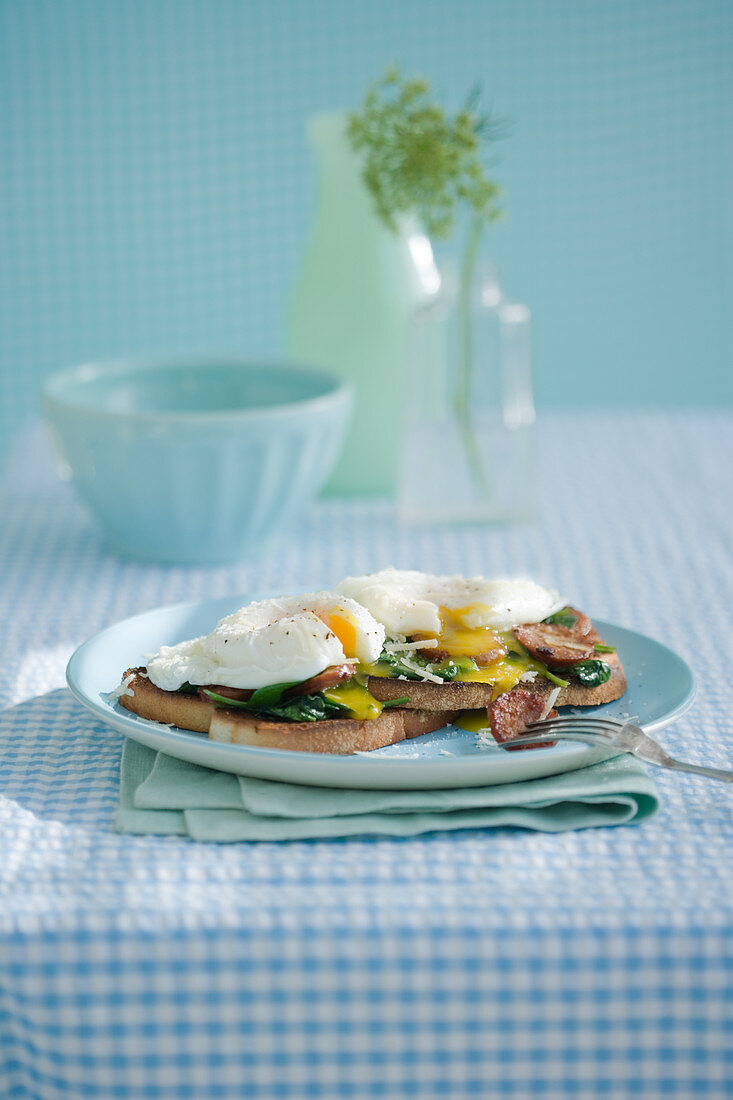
(464, 377)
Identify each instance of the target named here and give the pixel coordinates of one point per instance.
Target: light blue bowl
(192, 461)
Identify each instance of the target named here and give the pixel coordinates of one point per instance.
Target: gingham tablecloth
(475, 964)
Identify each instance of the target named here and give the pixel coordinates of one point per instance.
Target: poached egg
(462, 614)
(283, 640)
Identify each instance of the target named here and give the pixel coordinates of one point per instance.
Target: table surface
(479, 963)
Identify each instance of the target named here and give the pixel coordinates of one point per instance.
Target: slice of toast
(336, 735)
(465, 695)
(172, 708)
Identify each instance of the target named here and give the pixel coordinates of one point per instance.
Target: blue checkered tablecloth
(475, 964)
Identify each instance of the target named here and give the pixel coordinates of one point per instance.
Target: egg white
(408, 602)
(284, 640)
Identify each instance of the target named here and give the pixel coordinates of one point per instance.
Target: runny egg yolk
(503, 675)
(361, 703)
(458, 640)
(343, 626)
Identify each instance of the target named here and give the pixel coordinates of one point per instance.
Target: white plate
(661, 687)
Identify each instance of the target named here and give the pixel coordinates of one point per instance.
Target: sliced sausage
(540, 744)
(582, 625)
(241, 695)
(482, 659)
(335, 674)
(555, 646)
(511, 713)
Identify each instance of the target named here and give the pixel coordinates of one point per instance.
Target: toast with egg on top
(280, 673)
(331, 735)
(456, 642)
(385, 657)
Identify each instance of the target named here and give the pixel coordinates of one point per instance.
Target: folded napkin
(160, 794)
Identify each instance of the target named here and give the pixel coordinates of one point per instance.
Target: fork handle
(699, 769)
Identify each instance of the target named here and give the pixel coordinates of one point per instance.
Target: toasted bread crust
(458, 695)
(170, 707)
(338, 735)
(464, 695)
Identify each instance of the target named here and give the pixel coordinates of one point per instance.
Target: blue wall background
(157, 187)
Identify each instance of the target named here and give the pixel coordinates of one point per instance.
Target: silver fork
(608, 733)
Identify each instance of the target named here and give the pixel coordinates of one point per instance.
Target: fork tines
(579, 722)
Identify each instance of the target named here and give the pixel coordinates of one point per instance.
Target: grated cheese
(422, 672)
(403, 647)
(123, 689)
(528, 677)
(485, 739)
(549, 704)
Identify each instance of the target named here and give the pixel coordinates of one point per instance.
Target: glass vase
(467, 440)
(352, 304)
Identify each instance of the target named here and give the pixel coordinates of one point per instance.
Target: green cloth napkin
(161, 794)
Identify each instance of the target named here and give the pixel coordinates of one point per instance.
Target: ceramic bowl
(196, 461)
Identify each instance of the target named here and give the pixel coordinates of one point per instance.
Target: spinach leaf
(591, 673)
(225, 701)
(553, 678)
(258, 700)
(304, 708)
(564, 617)
(448, 670)
(393, 663)
(265, 696)
(269, 703)
(188, 689)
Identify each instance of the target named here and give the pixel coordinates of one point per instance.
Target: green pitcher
(357, 288)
